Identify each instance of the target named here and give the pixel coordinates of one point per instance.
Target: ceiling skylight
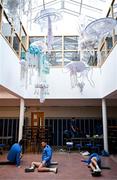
(69, 9)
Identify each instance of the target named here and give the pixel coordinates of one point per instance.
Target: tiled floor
(70, 167)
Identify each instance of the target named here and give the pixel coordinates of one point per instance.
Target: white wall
(109, 74)
(60, 86)
(10, 68)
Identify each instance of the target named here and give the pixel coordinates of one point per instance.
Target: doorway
(37, 119)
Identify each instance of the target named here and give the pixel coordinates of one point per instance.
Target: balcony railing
(15, 35)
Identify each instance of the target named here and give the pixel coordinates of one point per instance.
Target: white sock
(32, 167)
(52, 169)
(97, 167)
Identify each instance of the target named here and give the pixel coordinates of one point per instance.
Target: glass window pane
(0, 15)
(16, 43)
(71, 56)
(109, 43)
(103, 53)
(23, 37)
(71, 42)
(115, 9)
(23, 53)
(115, 38)
(16, 25)
(59, 56)
(92, 58)
(55, 58)
(57, 43)
(6, 28)
(33, 39)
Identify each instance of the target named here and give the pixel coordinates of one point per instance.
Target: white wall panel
(9, 68)
(109, 74)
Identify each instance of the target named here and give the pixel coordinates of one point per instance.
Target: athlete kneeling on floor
(43, 166)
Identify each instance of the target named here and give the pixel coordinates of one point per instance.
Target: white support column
(104, 118)
(21, 119)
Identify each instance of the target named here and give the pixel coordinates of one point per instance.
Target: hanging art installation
(89, 40)
(36, 56)
(36, 59)
(45, 18)
(98, 30)
(36, 63)
(79, 72)
(86, 45)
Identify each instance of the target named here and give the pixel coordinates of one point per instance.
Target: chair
(69, 146)
(79, 146)
(99, 147)
(89, 147)
(1, 148)
(92, 148)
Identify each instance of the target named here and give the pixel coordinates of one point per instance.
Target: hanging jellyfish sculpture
(36, 64)
(45, 18)
(78, 72)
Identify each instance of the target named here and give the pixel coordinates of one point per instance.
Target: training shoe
(56, 170)
(29, 169)
(54, 163)
(97, 170)
(94, 173)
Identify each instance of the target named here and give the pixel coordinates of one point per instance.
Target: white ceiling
(6, 94)
(9, 99)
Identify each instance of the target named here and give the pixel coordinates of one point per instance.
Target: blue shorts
(95, 155)
(46, 164)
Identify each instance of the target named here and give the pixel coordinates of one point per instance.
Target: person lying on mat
(43, 166)
(94, 162)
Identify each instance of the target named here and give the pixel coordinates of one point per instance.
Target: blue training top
(14, 154)
(47, 154)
